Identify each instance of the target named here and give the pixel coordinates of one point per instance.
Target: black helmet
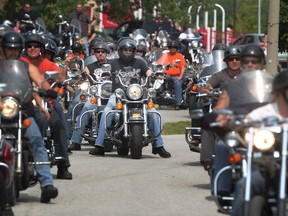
(35, 38)
(220, 46)
(126, 42)
(12, 39)
(253, 50)
(142, 48)
(77, 47)
(232, 51)
(173, 43)
(101, 45)
(280, 82)
(51, 46)
(94, 42)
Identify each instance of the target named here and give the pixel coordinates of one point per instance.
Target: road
(113, 185)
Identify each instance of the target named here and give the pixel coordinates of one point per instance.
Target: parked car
(258, 39)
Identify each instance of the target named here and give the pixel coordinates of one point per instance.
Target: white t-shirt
(260, 113)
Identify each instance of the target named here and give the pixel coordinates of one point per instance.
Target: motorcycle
(16, 90)
(163, 84)
(130, 129)
(99, 93)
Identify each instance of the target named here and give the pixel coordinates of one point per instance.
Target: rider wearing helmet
(175, 66)
(12, 44)
(141, 50)
(252, 56)
(218, 80)
(127, 50)
(92, 44)
(50, 49)
(100, 52)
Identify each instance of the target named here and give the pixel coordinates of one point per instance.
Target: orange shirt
(167, 58)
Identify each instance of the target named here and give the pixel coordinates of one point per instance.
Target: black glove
(84, 75)
(51, 94)
(167, 67)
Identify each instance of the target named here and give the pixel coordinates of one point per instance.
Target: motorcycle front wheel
(136, 140)
(258, 207)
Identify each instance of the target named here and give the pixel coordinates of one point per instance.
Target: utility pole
(273, 37)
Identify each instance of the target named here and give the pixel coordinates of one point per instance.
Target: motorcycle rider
(218, 80)
(34, 46)
(12, 44)
(126, 51)
(252, 57)
(175, 70)
(278, 108)
(100, 51)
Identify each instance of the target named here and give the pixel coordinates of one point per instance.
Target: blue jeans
(80, 129)
(178, 90)
(59, 109)
(220, 161)
(152, 119)
(39, 153)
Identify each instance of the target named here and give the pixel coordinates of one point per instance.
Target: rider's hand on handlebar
(223, 119)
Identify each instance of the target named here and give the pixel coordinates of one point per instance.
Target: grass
(175, 127)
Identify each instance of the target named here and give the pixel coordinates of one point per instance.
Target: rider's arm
(37, 78)
(223, 101)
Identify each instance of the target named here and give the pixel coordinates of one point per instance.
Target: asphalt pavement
(113, 185)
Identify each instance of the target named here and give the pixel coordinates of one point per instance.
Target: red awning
(108, 23)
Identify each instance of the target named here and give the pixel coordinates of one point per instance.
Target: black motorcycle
(16, 90)
(130, 129)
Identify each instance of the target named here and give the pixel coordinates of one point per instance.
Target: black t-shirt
(21, 15)
(93, 66)
(138, 66)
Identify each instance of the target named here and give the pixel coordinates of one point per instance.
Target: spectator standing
(21, 16)
(85, 22)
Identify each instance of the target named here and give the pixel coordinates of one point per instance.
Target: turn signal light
(119, 106)
(26, 122)
(93, 100)
(234, 159)
(82, 97)
(61, 91)
(150, 105)
(194, 88)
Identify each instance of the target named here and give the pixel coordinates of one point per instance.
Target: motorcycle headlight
(106, 89)
(119, 93)
(232, 139)
(194, 44)
(151, 93)
(10, 107)
(134, 92)
(93, 89)
(263, 140)
(84, 86)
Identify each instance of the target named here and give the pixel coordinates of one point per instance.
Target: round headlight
(119, 93)
(84, 86)
(151, 93)
(194, 44)
(134, 92)
(264, 140)
(10, 107)
(232, 139)
(106, 89)
(93, 89)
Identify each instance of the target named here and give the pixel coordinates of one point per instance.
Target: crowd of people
(37, 54)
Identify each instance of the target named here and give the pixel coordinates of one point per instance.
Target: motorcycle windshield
(75, 27)
(216, 63)
(250, 90)
(14, 80)
(139, 32)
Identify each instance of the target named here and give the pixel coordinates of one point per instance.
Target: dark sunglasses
(140, 51)
(35, 45)
(233, 58)
(245, 61)
(100, 51)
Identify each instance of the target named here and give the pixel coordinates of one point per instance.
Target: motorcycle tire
(108, 146)
(12, 193)
(23, 183)
(136, 140)
(123, 150)
(258, 207)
